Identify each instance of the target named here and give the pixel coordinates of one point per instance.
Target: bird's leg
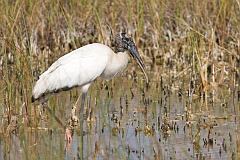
(74, 118)
(72, 122)
(84, 95)
(88, 111)
(81, 113)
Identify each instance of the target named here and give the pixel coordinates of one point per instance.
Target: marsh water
(125, 119)
(189, 110)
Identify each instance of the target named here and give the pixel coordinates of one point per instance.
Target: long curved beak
(134, 52)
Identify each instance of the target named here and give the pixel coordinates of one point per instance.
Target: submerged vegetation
(191, 49)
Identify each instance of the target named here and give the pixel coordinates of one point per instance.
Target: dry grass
(192, 45)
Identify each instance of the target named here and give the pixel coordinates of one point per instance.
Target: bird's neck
(116, 65)
(122, 56)
(121, 59)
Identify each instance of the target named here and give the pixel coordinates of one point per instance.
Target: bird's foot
(68, 135)
(68, 138)
(72, 122)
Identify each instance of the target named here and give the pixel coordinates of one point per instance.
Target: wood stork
(84, 65)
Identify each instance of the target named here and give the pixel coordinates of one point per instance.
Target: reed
(191, 46)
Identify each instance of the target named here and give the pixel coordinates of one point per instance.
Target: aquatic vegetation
(190, 109)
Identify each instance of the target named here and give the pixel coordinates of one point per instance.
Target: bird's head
(123, 43)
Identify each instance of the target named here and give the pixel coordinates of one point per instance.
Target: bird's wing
(77, 68)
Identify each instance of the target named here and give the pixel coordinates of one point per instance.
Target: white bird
(83, 66)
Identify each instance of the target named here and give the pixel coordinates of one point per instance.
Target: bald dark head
(123, 43)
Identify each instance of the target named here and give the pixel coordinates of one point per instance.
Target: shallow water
(129, 121)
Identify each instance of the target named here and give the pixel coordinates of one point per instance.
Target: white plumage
(82, 66)
(78, 68)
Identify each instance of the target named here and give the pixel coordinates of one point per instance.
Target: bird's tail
(33, 99)
(39, 89)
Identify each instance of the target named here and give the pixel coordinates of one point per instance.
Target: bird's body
(80, 68)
